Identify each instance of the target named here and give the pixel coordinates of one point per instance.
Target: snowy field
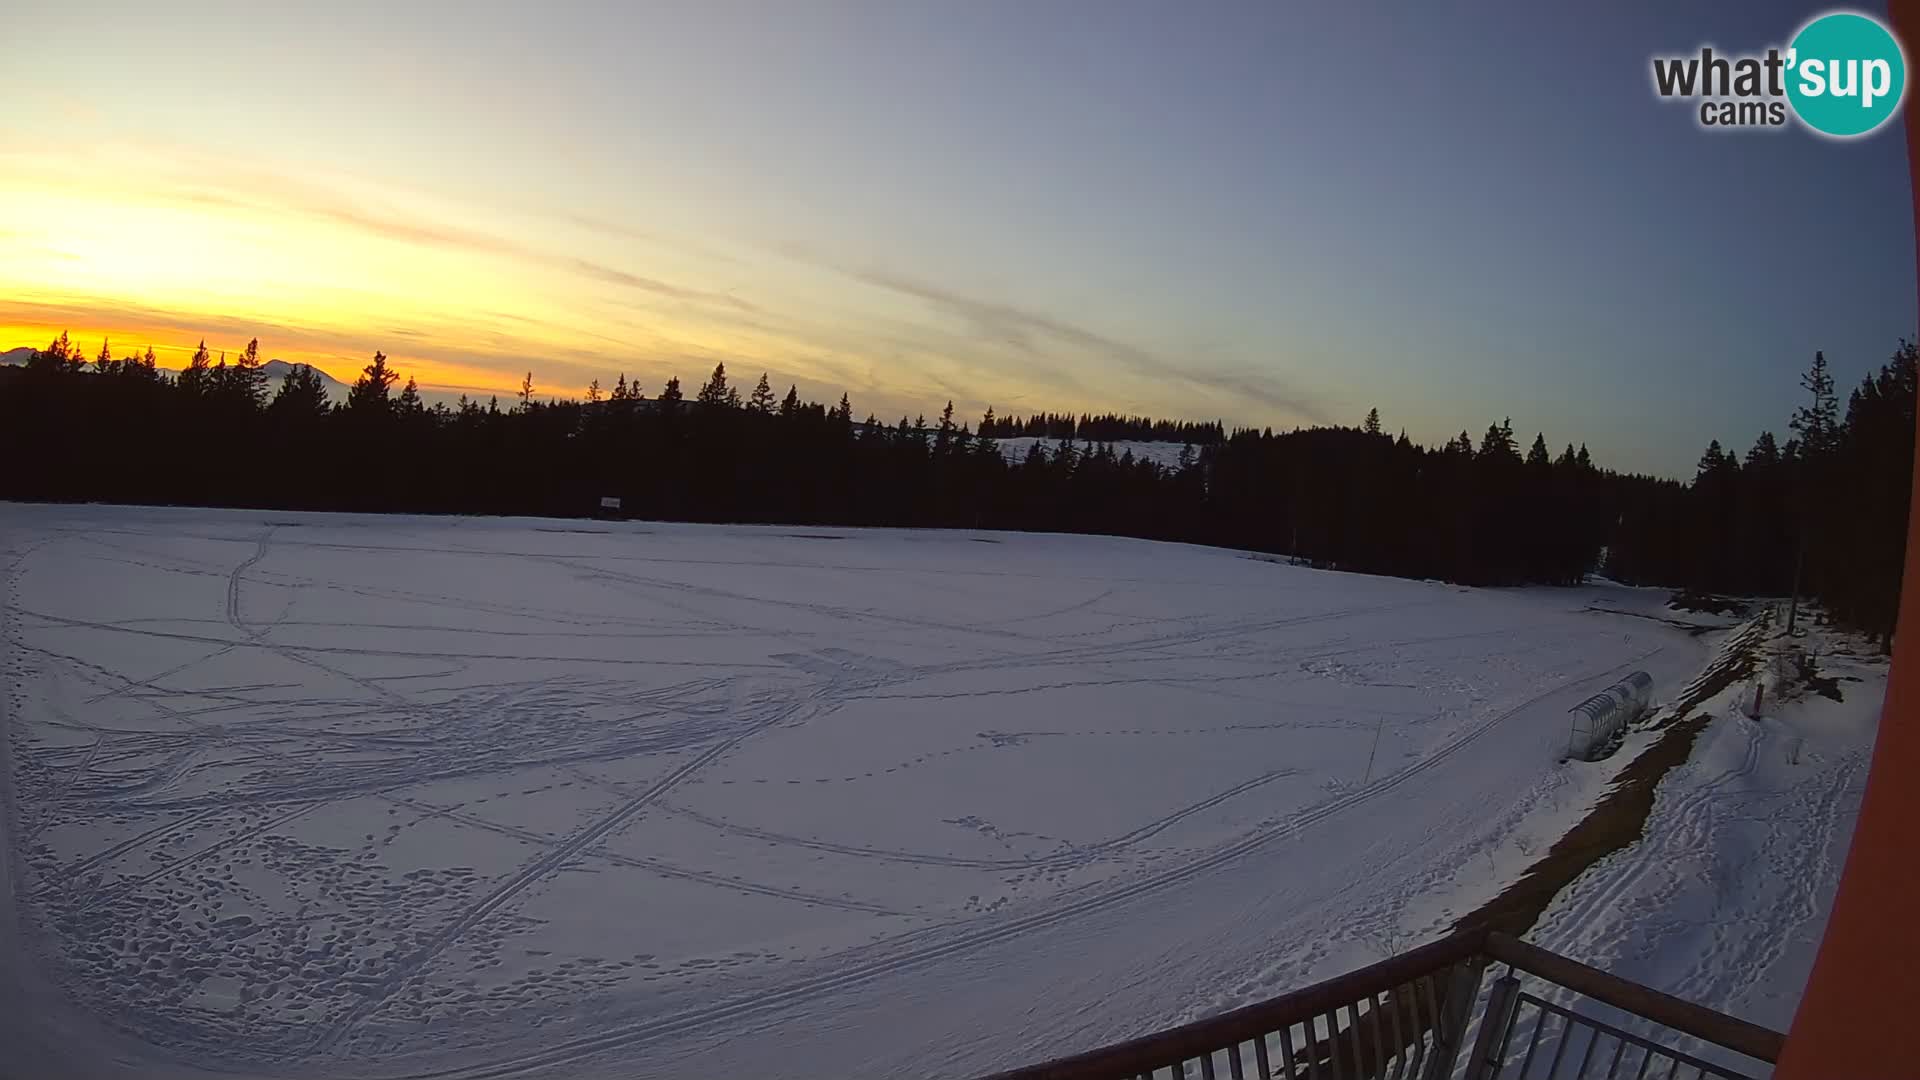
(326, 795)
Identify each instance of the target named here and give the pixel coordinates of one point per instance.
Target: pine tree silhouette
(943, 435)
(1537, 455)
(762, 399)
(60, 357)
(244, 384)
(1816, 423)
(408, 404)
(197, 375)
(370, 395)
(302, 396)
(984, 443)
(714, 392)
(1497, 444)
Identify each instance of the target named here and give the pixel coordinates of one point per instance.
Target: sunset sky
(1255, 212)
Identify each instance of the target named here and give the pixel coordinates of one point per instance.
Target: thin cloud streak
(267, 192)
(1027, 330)
(445, 236)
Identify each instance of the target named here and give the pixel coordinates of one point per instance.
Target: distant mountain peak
(278, 369)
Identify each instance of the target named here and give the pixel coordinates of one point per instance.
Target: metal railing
(1407, 1017)
(1531, 1028)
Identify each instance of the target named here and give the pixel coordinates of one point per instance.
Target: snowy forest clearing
(317, 794)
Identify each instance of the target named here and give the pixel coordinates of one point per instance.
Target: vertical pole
(1501, 1002)
(1799, 559)
(1462, 989)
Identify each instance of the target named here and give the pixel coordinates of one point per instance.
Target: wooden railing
(1408, 1017)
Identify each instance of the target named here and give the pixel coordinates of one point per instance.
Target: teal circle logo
(1846, 75)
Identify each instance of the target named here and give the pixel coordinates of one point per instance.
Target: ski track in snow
(305, 793)
(1723, 900)
(759, 1003)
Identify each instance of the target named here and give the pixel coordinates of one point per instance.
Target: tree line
(1823, 513)
(1111, 427)
(1826, 508)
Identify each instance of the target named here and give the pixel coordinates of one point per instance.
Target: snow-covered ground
(1725, 900)
(302, 794)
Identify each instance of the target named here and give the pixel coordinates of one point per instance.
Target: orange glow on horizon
(324, 268)
(170, 351)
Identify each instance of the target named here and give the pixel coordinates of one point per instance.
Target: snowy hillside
(15, 357)
(304, 794)
(1160, 453)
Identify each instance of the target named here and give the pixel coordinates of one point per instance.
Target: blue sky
(1249, 211)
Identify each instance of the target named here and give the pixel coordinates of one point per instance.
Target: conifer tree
(713, 394)
(762, 399)
(1816, 423)
(60, 357)
(244, 384)
(1497, 444)
(301, 397)
(1712, 461)
(196, 377)
(943, 435)
(984, 443)
(1537, 454)
(370, 395)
